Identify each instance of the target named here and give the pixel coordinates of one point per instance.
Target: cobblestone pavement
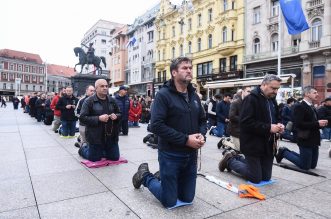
(41, 177)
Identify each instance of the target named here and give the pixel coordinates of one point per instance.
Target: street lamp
(186, 7)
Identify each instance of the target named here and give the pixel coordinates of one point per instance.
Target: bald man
(101, 115)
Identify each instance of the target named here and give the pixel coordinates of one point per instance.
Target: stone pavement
(41, 177)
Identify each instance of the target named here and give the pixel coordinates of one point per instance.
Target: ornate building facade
(210, 32)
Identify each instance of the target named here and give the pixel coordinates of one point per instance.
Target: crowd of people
(250, 124)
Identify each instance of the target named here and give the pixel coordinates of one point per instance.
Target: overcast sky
(52, 28)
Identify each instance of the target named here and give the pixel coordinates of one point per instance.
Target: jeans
(254, 169)
(109, 150)
(307, 159)
(124, 127)
(178, 172)
(40, 115)
(68, 127)
(133, 124)
(326, 133)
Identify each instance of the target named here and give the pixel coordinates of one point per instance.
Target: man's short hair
(176, 62)
(69, 87)
(88, 86)
(270, 77)
(290, 100)
(227, 95)
(307, 90)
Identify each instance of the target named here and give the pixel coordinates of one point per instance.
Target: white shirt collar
(309, 104)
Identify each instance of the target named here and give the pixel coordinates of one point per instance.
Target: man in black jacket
(40, 107)
(101, 117)
(308, 134)
(180, 122)
(325, 113)
(123, 103)
(67, 105)
(259, 123)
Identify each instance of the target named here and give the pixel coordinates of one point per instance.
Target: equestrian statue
(88, 58)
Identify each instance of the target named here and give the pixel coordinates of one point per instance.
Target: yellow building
(211, 32)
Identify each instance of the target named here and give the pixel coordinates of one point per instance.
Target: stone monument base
(79, 82)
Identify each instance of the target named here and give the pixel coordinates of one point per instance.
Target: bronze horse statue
(95, 60)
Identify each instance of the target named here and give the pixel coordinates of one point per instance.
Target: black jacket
(222, 111)
(124, 105)
(95, 129)
(234, 116)
(304, 119)
(79, 108)
(255, 124)
(67, 114)
(325, 113)
(173, 119)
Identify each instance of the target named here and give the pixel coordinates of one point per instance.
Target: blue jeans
(307, 159)
(109, 150)
(68, 128)
(254, 169)
(178, 172)
(132, 124)
(326, 133)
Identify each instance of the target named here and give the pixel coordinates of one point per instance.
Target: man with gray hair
(259, 124)
(308, 132)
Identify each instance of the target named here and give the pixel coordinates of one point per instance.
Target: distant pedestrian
(16, 101)
(3, 102)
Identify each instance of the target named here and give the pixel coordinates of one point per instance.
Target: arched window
(210, 41)
(316, 30)
(173, 52)
(199, 44)
(189, 47)
(181, 51)
(256, 45)
(274, 42)
(224, 34)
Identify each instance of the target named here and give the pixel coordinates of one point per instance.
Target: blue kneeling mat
(262, 183)
(179, 203)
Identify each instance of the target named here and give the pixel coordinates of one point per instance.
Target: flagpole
(279, 40)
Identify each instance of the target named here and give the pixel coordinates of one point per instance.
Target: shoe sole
(133, 181)
(225, 158)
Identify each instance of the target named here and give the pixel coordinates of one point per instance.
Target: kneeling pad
(103, 162)
(179, 203)
(262, 183)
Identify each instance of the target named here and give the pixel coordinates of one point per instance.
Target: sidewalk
(41, 177)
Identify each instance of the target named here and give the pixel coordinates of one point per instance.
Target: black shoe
(80, 152)
(77, 145)
(157, 175)
(280, 154)
(223, 164)
(138, 177)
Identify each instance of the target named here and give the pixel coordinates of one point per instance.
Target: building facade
(119, 56)
(307, 55)
(100, 35)
(58, 77)
(141, 52)
(210, 32)
(21, 73)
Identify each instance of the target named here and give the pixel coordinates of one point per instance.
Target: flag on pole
(131, 42)
(294, 18)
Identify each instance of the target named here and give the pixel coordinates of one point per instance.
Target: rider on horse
(90, 53)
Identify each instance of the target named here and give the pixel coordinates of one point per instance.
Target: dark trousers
(109, 150)
(211, 121)
(307, 159)
(40, 115)
(178, 172)
(68, 128)
(124, 126)
(254, 169)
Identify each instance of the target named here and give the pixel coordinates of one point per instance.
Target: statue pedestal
(79, 82)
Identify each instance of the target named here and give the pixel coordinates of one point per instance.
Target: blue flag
(294, 18)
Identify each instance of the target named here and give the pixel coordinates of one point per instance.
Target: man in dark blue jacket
(180, 122)
(259, 123)
(123, 103)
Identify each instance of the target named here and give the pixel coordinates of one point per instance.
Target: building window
(210, 14)
(11, 77)
(33, 88)
(11, 86)
(233, 4)
(41, 79)
(150, 36)
(199, 44)
(26, 87)
(233, 63)
(199, 20)
(159, 55)
(26, 78)
(224, 34)
(316, 30)
(190, 24)
(296, 40)
(11, 67)
(274, 8)
(163, 54)
(159, 33)
(181, 50)
(103, 41)
(223, 65)
(19, 67)
(210, 41)
(4, 86)
(205, 68)
(173, 52)
(34, 78)
(225, 5)
(256, 47)
(256, 15)
(181, 27)
(34, 70)
(189, 47)
(26, 68)
(163, 34)
(232, 35)
(41, 70)
(4, 76)
(274, 42)
(173, 31)
(41, 88)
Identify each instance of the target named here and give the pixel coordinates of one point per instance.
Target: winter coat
(57, 112)
(67, 114)
(124, 104)
(135, 111)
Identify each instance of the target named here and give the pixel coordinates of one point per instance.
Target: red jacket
(134, 112)
(53, 104)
